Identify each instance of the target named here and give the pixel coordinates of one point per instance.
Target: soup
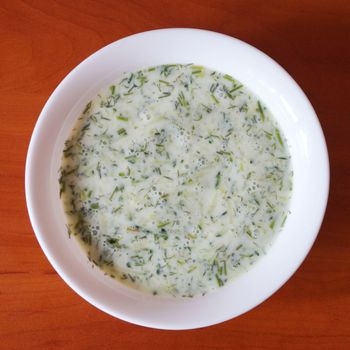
(175, 179)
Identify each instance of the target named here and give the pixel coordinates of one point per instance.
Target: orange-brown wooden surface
(41, 41)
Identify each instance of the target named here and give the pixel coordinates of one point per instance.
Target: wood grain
(41, 41)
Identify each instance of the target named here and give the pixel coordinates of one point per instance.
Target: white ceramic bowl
(261, 75)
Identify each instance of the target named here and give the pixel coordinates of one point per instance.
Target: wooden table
(41, 41)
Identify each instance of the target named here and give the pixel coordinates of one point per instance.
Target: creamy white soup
(175, 179)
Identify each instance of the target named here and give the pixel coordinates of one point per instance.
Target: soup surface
(175, 179)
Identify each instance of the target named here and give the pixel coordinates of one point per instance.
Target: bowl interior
(263, 77)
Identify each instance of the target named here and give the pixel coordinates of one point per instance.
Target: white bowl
(261, 75)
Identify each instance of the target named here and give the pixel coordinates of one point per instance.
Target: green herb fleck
(236, 88)
(284, 220)
(279, 138)
(217, 179)
(229, 78)
(116, 189)
(87, 107)
(123, 119)
(163, 224)
(165, 94)
(219, 280)
(122, 132)
(249, 233)
(227, 92)
(260, 108)
(112, 89)
(131, 159)
(182, 100)
(215, 99)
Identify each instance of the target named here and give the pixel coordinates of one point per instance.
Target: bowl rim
(29, 173)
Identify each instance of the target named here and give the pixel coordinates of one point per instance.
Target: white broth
(175, 178)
